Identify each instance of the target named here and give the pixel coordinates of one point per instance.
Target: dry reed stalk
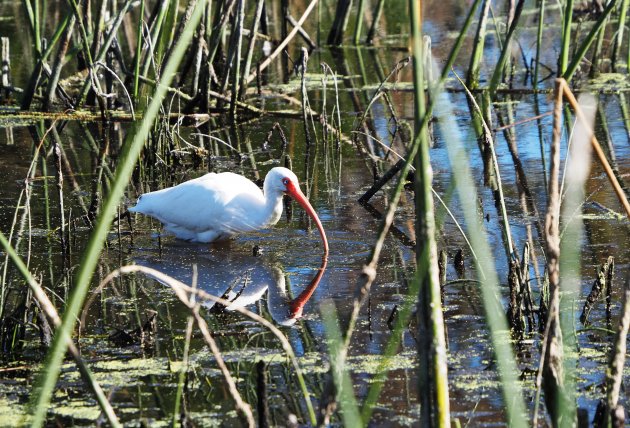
(550, 374)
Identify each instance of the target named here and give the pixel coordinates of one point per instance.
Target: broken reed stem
(182, 290)
(279, 49)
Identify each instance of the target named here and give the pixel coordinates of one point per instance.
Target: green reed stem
(236, 73)
(565, 46)
(505, 52)
(477, 53)
(252, 46)
(541, 22)
(433, 381)
(136, 67)
(586, 44)
(359, 24)
(345, 392)
(48, 375)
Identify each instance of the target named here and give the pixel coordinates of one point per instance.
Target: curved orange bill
(297, 305)
(297, 194)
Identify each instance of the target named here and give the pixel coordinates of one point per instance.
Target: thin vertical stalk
(578, 163)
(341, 377)
(48, 375)
(477, 54)
(565, 46)
(236, 73)
(432, 348)
(505, 52)
(136, 67)
(184, 367)
(377, 17)
(252, 46)
(342, 14)
(359, 24)
(37, 25)
(551, 374)
(541, 22)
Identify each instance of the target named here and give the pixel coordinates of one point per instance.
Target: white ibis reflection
(238, 278)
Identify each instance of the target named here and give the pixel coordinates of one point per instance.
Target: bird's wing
(211, 202)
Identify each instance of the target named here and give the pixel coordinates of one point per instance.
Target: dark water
(142, 380)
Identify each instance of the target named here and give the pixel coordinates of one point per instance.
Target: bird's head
(283, 180)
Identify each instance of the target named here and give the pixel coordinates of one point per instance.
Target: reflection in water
(238, 278)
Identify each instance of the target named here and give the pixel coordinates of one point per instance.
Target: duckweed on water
(78, 410)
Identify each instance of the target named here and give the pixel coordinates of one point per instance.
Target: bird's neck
(273, 207)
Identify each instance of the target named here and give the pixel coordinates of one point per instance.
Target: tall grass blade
(345, 392)
(495, 314)
(47, 377)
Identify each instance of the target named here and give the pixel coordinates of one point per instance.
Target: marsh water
(133, 331)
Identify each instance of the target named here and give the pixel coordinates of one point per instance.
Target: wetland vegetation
(469, 162)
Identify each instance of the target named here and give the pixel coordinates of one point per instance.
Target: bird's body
(217, 206)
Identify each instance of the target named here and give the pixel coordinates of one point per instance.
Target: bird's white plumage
(216, 206)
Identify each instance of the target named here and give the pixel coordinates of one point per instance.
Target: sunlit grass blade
(495, 314)
(47, 377)
(345, 392)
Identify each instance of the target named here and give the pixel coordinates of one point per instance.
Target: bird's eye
(285, 181)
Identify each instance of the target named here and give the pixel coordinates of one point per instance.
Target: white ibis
(217, 206)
